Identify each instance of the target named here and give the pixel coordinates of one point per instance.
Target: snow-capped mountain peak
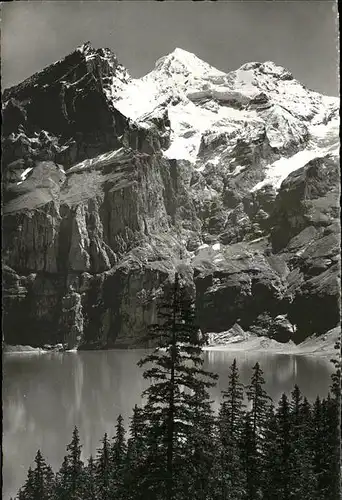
(267, 67)
(206, 105)
(182, 62)
(210, 112)
(85, 48)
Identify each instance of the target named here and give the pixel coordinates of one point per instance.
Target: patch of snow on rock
(203, 246)
(88, 163)
(25, 173)
(237, 170)
(280, 169)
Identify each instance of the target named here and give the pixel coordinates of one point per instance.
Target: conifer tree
(136, 452)
(218, 479)
(136, 442)
(233, 398)
(75, 463)
(227, 478)
(71, 474)
(283, 449)
(260, 402)
(63, 480)
(104, 469)
(295, 406)
(198, 446)
(176, 373)
(27, 491)
(90, 481)
(40, 481)
(271, 458)
(255, 428)
(301, 479)
(118, 460)
(318, 438)
(250, 460)
(230, 420)
(330, 477)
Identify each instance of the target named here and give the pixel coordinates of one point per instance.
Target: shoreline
(248, 346)
(27, 349)
(287, 352)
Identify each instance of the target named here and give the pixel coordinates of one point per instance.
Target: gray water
(45, 396)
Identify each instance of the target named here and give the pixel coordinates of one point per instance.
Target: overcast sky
(299, 35)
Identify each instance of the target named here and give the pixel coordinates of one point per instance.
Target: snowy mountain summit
(110, 181)
(204, 103)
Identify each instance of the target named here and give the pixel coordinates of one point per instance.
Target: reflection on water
(45, 396)
(281, 372)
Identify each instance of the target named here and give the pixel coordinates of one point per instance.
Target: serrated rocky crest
(111, 183)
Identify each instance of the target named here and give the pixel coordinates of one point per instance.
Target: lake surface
(46, 395)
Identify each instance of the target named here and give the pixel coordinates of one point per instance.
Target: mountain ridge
(112, 183)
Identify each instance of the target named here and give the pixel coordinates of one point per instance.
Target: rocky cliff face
(111, 184)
